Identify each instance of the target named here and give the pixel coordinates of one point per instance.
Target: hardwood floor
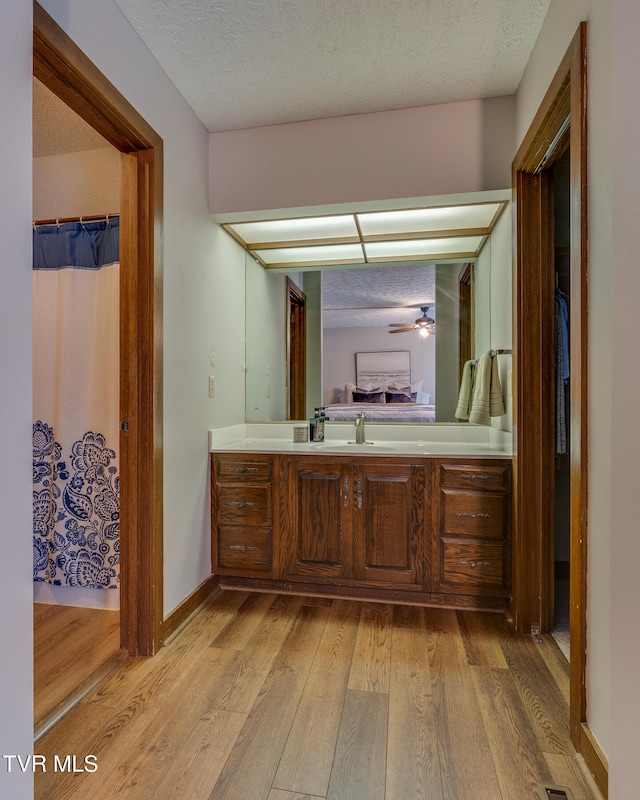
(279, 697)
(70, 644)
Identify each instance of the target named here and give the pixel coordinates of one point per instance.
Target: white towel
(496, 398)
(487, 396)
(465, 396)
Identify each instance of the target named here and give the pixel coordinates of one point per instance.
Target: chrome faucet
(360, 435)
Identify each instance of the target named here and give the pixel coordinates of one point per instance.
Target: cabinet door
(319, 536)
(388, 523)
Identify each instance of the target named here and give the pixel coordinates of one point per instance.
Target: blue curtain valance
(77, 245)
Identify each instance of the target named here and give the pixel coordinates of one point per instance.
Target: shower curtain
(76, 494)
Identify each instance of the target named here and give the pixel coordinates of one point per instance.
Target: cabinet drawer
(244, 548)
(471, 565)
(244, 505)
(233, 468)
(467, 476)
(473, 514)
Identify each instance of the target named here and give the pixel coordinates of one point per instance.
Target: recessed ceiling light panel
(296, 230)
(426, 220)
(307, 256)
(462, 246)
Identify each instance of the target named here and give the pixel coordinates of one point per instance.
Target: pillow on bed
(350, 388)
(416, 387)
(368, 397)
(400, 397)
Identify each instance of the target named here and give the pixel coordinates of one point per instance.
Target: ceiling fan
(424, 325)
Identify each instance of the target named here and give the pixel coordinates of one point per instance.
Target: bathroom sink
(351, 447)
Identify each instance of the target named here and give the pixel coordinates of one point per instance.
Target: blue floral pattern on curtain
(76, 515)
(76, 484)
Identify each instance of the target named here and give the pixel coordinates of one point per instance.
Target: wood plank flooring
(70, 644)
(278, 697)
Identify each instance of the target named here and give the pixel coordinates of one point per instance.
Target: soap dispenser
(316, 426)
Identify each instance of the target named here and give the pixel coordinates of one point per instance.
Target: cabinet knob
(474, 564)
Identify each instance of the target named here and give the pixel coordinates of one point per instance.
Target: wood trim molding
(65, 70)
(208, 589)
(533, 489)
(595, 760)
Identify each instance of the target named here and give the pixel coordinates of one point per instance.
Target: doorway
(561, 121)
(75, 403)
(296, 352)
(62, 67)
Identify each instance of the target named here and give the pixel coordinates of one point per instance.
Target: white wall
(447, 341)
(621, 266)
(341, 344)
(266, 300)
(501, 305)
(83, 183)
(16, 621)
(457, 147)
(203, 303)
(312, 283)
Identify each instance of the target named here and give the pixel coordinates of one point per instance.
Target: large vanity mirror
(319, 320)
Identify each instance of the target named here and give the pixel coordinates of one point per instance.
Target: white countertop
(385, 440)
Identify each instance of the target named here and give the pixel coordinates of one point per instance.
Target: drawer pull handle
(472, 476)
(473, 515)
(243, 548)
(242, 504)
(474, 564)
(244, 469)
(359, 491)
(346, 491)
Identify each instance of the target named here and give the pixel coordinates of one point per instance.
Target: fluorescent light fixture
(425, 220)
(305, 229)
(415, 234)
(404, 249)
(309, 256)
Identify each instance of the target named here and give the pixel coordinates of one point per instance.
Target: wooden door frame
(534, 287)
(466, 318)
(64, 69)
(296, 356)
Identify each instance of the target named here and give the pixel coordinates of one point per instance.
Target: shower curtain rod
(60, 220)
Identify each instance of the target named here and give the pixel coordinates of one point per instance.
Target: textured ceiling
(379, 295)
(245, 63)
(57, 129)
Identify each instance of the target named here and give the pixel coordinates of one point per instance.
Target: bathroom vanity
(422, 522)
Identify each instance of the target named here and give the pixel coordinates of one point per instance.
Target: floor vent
(555, 793)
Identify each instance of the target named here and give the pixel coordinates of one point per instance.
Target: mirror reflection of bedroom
(309, 328)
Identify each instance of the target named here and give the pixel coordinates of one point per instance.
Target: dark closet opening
(560, 176)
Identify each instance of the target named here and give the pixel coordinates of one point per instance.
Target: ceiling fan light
(423, 331)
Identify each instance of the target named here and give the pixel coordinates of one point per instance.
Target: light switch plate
(212, 386)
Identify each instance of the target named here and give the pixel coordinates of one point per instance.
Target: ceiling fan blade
(406, 329)
(401, 325)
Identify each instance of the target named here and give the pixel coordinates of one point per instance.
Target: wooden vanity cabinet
(472, 525)
(243, 514)
(355, 522)
(430, 530)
